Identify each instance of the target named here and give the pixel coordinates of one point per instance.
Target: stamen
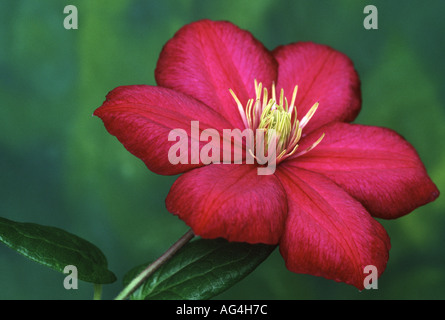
(240, 108)
(287, 155)
(311, 147)
(249, 113)
(258, 90)
(265, 97)
(274, 98)
(278, 116)
(308, 115)
(251, 153)
(294, 96)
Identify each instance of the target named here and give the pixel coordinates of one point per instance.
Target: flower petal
(328, 233)
(142, 117)
(230, 201)
(323, 75)
(206, 58)
(374, 165)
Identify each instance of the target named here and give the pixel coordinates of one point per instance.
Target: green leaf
(200, 270)
(56, 248)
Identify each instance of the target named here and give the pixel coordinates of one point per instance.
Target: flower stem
(137, 281)
(97, 291)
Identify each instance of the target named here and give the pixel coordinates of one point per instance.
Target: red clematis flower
(332, 178)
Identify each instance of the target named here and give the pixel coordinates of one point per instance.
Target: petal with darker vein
(142, 117)
(375, 165)
(230, 201)
(328, 233)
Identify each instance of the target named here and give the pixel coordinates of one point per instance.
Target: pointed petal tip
(435, 194)
(375, 165)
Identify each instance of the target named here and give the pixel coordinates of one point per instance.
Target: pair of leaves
(202, 269)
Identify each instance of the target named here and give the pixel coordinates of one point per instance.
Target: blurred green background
(59, 166)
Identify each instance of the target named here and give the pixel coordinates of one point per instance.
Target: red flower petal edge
(205, 59)
(375, 165)
(142, 117)
(322, 74)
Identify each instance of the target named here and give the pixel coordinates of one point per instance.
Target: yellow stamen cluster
(277, 117)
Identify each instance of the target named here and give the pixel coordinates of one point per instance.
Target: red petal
(327, 232)
(142, 117)
(323, 75)
(374, 165)
(230, 201)
(205, 59)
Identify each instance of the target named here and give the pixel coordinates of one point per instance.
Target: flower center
(277, 118)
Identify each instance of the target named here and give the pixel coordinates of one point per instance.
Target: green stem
(137, 282)
(97, 291)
